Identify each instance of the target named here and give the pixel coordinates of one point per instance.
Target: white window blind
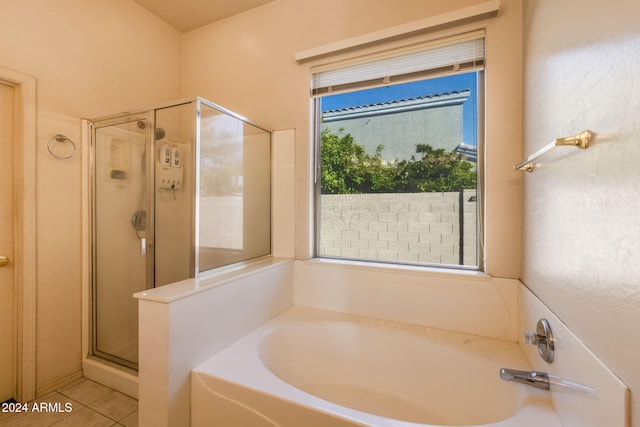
(452, 55)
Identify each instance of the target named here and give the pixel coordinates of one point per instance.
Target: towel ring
(61, 138)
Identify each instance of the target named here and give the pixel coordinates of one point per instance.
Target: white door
(7, 282)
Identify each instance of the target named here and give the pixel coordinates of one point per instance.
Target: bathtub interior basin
(363, 371)
(393, 372)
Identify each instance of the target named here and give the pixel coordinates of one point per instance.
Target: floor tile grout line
(61, 393)
(86, 405)
(105, 415)
(82, 405)
(70, 414)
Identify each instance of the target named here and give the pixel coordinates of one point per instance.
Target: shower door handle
(143, 246)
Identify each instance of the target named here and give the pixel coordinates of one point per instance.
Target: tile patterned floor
(83, 403)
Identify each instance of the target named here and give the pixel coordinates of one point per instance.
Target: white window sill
(400, 268)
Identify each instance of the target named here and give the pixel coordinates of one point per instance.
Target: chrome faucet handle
(532, 378)
(543, 338)
(543, 380)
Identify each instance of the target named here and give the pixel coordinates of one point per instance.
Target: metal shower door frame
(147, 117)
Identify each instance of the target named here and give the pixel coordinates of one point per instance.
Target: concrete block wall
(407, 227)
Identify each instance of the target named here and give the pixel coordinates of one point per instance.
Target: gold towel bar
(580, 140)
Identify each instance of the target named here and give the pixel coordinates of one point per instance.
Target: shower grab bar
(580, 140)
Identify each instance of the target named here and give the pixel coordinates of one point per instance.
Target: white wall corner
(283, 199)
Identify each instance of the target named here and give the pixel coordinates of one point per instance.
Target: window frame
(480, 200)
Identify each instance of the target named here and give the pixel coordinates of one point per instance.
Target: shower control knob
(543, 338)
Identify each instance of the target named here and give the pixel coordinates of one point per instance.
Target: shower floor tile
(83, 403)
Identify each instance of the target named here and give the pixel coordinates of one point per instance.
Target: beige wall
(90, 58)
(581, 209)
(100, 57)
(246, 63)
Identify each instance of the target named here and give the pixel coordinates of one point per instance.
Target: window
(398, 153)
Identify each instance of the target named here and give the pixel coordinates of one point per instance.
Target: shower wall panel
(173, 204)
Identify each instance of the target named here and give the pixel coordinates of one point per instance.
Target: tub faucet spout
(532, 378)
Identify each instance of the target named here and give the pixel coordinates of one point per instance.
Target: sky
(413, 90)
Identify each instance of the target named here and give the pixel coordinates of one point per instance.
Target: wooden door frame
(24, 142)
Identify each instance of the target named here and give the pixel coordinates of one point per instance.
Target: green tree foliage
(347, 168)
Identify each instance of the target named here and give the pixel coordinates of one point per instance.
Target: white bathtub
(310, 368)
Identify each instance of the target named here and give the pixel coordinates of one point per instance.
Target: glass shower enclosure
(176, 192)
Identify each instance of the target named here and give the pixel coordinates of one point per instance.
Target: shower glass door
(177, 192)
(122, 234)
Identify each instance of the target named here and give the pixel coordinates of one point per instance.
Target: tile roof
(400, 105)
